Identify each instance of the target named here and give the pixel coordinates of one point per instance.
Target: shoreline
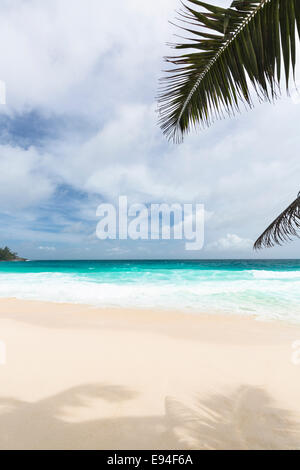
(80, 377)
(192, 312)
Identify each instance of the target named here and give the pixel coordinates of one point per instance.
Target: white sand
(81, 378)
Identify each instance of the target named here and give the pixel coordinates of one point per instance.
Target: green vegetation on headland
(7, 255)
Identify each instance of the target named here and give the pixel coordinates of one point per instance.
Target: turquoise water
(267, 288)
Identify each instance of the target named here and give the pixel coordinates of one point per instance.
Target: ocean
(269, 289)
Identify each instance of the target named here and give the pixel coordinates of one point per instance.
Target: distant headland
(7, 255)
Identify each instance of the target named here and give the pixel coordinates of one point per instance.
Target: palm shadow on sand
(247, 419)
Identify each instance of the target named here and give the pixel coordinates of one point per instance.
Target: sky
(79, 128)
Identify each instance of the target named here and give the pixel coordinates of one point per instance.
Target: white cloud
(54, 54)
(23, 180)
(231, 242)
(47, 248)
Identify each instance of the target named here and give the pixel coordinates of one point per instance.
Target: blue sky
(80, 128)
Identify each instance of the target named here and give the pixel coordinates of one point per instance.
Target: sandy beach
(77, 377)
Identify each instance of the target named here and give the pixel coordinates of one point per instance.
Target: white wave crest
(267, 296)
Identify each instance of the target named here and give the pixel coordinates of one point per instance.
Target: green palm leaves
(231, 49)
(284, 227)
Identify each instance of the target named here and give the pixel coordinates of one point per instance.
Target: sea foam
(267, 293)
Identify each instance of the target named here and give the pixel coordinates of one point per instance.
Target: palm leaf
(285, 226)
(229, 51)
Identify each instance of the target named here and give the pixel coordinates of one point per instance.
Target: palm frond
(284, 227)
(231, 49)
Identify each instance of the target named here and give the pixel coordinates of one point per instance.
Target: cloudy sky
(80, 128)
